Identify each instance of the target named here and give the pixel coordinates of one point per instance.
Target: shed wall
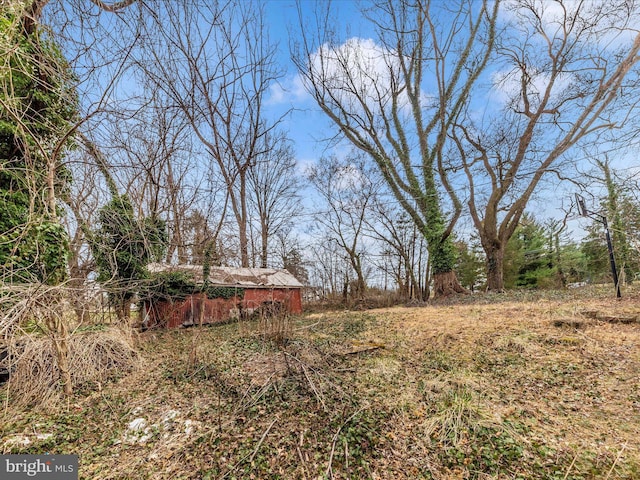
(289, 297)
(190, 311)
(172, 314)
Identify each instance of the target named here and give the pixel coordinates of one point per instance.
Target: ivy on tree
(38, 106)
(122, 246)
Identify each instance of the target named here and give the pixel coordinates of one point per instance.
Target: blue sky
(307, 125)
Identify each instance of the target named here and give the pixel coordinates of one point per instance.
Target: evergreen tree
(542, 256)
(528, 261)
(620, 205)
(470, 264)
(625, 233)
(293, 262)
(630, 208)
(574, 263)
(594, 248)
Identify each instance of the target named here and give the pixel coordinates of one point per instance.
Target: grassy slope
(485, 388)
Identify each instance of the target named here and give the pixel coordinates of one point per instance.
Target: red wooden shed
(249, 290)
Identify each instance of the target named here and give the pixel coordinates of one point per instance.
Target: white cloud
(349, 178)
(591, 28)
(550, 13)
(507, 86)
(304, 165)
(290, 91)
(359, 74)
(607, 25)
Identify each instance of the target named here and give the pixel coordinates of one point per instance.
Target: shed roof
(230, 276)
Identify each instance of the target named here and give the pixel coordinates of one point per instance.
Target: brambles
(275, 323)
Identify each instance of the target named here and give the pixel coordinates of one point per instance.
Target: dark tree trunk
(123, 311)
(495, 268)
(264, 245)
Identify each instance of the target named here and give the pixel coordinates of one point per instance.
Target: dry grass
(488, 387)
(94, 357)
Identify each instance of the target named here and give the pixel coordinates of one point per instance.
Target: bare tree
(37, 106)
(47, 79)
(395, 99)
(330, 269)
(34, 8)
(152, 155)
(39, 110)
(216, 63)
(347, 190)
(290, 252)
(404, 252)
(566, 74)
(274, 187)
(82, 202)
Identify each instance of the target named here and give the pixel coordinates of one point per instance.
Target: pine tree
(528, 260)
(470, 264)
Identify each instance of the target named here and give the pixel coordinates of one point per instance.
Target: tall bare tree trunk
(495, 268)
(241, 217)
(264, 239)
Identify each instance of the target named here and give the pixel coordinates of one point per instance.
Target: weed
(275, 326)
(456, 414)
(508, 397)
(465, 436)
(439, 361)
(354, 325)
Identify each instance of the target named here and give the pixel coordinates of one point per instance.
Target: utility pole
(582, 210)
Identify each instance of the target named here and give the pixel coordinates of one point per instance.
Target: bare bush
(40, 307)
(94, 357)
(275, 323)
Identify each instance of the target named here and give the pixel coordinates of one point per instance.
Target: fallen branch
(255, 451)
(616, 461)
(264, 435)
(316, 392)
(365, 348)
(596, 315)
